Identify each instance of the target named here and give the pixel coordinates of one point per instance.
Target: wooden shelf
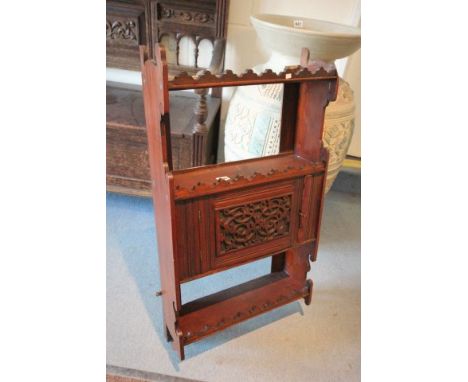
(202, 317)
(212, 179)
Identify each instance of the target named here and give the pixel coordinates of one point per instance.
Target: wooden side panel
(310, 208)
(188, 238)
(288, 116)
(325, 157)
(157, 122)
(313, 98)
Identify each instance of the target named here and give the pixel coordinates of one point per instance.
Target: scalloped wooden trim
(219, 184)
(252, 311)
(315, 69)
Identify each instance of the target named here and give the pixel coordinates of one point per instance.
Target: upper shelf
(314, 71)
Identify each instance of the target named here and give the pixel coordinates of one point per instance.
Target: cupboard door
(253, 223)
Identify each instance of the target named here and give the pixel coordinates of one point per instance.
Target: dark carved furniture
(127, 153)
(131, 23)
(215, 217)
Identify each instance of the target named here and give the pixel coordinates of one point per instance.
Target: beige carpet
(320, 342)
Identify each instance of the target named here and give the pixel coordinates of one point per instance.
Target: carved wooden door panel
(232, 228)
(252, 223)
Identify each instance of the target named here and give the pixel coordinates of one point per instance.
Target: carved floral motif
(254, 223)
(187, 16)
(121, 30)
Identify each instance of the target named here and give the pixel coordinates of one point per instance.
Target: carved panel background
(186, 16)
(125, 30)
(253, 223)
(122, 29)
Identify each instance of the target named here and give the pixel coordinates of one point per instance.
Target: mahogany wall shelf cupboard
(195, 121)
(215, 217)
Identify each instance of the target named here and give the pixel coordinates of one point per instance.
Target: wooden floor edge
(122, 374)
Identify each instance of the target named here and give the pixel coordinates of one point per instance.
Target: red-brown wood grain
(155, 97)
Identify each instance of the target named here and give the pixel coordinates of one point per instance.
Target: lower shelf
(207, 315)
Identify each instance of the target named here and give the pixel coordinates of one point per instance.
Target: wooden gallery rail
(215, 217)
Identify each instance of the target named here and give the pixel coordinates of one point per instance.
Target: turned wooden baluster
(200, 130)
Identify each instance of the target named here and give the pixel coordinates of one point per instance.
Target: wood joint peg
(302, 217)
(308, 297)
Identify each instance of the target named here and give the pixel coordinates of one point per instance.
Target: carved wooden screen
(130, 23)
(198, 21)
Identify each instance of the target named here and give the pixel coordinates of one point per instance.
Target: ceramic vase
(253, 122)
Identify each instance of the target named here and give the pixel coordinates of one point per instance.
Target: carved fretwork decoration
(189, 17)
(252, 310)
(130, 23)
(201, 112)
(254, 223)
(121, 30)
(185, 189)
(249, 77)
(200, 130)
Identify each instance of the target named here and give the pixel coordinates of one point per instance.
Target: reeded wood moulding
(216, 217)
